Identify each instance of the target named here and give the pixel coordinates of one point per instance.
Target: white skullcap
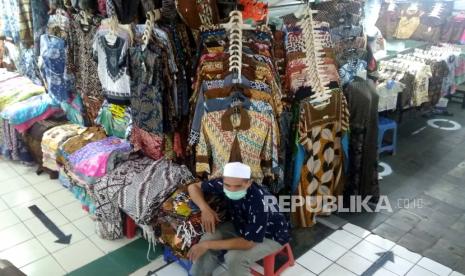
(237, 170)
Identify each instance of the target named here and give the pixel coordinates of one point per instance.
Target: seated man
(253, 233)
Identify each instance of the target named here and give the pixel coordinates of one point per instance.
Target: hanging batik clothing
(53, 54)
(245, 137)
(363, 101)
(106, 192)
(112, 68)
(17, 20)
(87, 82)
(143, 198)
(147, 88)
(320, 132)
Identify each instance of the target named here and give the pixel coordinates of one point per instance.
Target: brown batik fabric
(320, 133)
(87, 81)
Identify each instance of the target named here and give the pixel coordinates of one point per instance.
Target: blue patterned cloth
(53, 54)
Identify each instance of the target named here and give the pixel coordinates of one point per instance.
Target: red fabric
(150, 144)
(21, 128)
(254, 10)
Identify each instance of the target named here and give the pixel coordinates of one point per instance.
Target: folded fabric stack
(25, 113)
(95, 159)
(72, 144)
(14, 88)
(142, 199)
(52, 140)
(33, 141)
(105, 192)
(78, 191)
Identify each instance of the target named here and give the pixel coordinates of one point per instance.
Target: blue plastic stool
(384, 125)
(168, 256)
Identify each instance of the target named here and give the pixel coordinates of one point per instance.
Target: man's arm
(238, 243)
(199, 249)
(209, 217)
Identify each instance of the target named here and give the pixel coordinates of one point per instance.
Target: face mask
(235, 195)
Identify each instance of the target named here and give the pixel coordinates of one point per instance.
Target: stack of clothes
(52, 140)
(14, 89)
(138, 186)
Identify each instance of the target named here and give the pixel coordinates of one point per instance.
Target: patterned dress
(320, 133)
(87, 82)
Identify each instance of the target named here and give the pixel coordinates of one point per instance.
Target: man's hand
(197, 251)
(209, 219)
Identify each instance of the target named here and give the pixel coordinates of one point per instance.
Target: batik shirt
(250, 216)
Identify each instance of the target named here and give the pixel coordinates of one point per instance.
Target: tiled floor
(26, 242)
(348, 251)
(428, 169)
(426, 191)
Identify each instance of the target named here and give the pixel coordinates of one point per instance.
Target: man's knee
(235, 258)
(211, 237)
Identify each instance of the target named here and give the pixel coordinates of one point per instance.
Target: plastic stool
(269, 262)
(384, 125)
(130, 227)
(168, 256)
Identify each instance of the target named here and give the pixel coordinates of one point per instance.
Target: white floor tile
(21, 168)
(14, 235)
(24, 213)
(296, 269)
(368, 250)
(420, 271)
(24, 253)
(3, 206)
(330, 249)
(73, 211)
(354, 263)
(78, 255)
(12, 184)
(356, 230)
(384, 272)
(48, 239)
(33, 178)
(314, 262)
(406, 254)
(435, 267)
(345, 238)
(86, 225)
(61, 198)
(7, 219)
(380, 242)
(455, 273)
(154, 265)
(336, 270)
(48, 187)
(37, 227)
(171, 270)
(109, 246)
(45, 266)
(400, 266)
(7, 172)
(21, 196)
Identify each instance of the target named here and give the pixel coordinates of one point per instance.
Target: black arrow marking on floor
(62, 238)
(385, 257)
